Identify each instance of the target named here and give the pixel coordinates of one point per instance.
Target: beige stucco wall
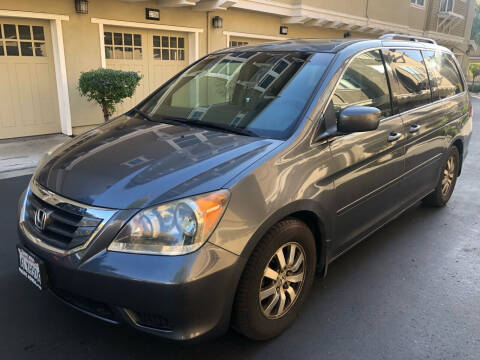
(416, 17)
(352, 7)
(389, 11)
(82, 40)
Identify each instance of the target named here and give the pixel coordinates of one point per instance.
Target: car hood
(131, 163)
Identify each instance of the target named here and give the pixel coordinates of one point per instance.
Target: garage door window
(22, 40)
(168, 48)
(123, 46)
(234, 43)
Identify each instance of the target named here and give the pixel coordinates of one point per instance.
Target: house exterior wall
(81, 37)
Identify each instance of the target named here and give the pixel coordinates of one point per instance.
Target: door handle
(394, 137)
(414, 128)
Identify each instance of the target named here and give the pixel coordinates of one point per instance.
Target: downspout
(208, 32)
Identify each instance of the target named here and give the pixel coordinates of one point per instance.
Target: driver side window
(364, 83)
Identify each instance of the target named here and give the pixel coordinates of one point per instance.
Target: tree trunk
(106, 112)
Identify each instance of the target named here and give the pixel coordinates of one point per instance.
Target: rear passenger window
(364, 83)
(444, 76)
(410, 85)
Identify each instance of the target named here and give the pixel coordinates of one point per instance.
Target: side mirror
(358, 118)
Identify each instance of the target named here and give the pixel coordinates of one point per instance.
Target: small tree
(475, 71)
(108, 87)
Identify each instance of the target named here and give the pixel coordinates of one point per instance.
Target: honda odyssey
(216, 200)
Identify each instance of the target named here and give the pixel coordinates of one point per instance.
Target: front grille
(66, 228)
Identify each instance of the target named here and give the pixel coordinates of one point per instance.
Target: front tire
(448, 178)
(276, 281)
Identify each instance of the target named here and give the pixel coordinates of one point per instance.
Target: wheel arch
(306, 211)
(458, 143)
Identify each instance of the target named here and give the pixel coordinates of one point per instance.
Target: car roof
(328, 45)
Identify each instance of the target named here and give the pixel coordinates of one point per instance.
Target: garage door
(156, 55)
(28, 92)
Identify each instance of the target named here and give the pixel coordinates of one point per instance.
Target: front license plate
(31, 267)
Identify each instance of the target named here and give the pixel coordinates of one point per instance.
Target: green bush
(108, 87)
(474, 87)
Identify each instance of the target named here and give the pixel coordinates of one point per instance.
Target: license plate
(31, 267)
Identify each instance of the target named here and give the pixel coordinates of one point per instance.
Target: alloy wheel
(282, 280)
(448, 175)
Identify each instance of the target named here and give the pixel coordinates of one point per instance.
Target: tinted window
(410, 85)
(445, 79)
(263, 92)
(364, 83)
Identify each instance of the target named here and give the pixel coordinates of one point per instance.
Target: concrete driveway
(410, 291)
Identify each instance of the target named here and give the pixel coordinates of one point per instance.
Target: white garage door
(28, 92)
(156, 55)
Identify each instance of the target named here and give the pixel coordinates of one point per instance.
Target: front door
(369, 164)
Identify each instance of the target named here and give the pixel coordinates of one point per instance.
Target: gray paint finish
(348, 184)
(410, 291)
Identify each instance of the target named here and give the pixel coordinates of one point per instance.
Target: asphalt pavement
(410, 291)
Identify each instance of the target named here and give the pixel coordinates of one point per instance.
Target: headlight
(174, 228)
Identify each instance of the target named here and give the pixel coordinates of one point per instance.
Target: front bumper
(176, 297)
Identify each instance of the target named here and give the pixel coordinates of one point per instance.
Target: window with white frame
(22, 40)
(420, 3)
(446, 5)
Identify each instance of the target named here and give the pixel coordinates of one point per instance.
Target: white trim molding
(193, 35)
(56, 30)
(32, 15)
(61, 76)
(315, 16)
(229, 34)
(140, 25)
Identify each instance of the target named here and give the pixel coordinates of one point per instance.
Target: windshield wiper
(164, 119)
(221, 127)
(197, 123)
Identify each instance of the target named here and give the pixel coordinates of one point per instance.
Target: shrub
(474, 87)
(108, 87)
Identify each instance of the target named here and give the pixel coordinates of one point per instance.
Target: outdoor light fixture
(217, 22)
(283, 30)
(81, 6)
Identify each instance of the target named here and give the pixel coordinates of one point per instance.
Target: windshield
(260, 93)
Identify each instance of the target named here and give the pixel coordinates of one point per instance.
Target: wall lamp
(217, 22)
(81, 6)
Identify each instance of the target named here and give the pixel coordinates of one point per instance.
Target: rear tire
(448, 178)
(276, 281)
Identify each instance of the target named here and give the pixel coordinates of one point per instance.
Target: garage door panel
(160, 55)
(25, 94)
(28, 95)
(7, 113)
(42, 74)
(125, 50)
(168, 54)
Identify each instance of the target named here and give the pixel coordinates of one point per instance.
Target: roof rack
(407, 37)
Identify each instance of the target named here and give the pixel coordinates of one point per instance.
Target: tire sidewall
(263, 327)
(456, 156)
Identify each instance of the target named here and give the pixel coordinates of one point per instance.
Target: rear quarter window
(445, 78)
